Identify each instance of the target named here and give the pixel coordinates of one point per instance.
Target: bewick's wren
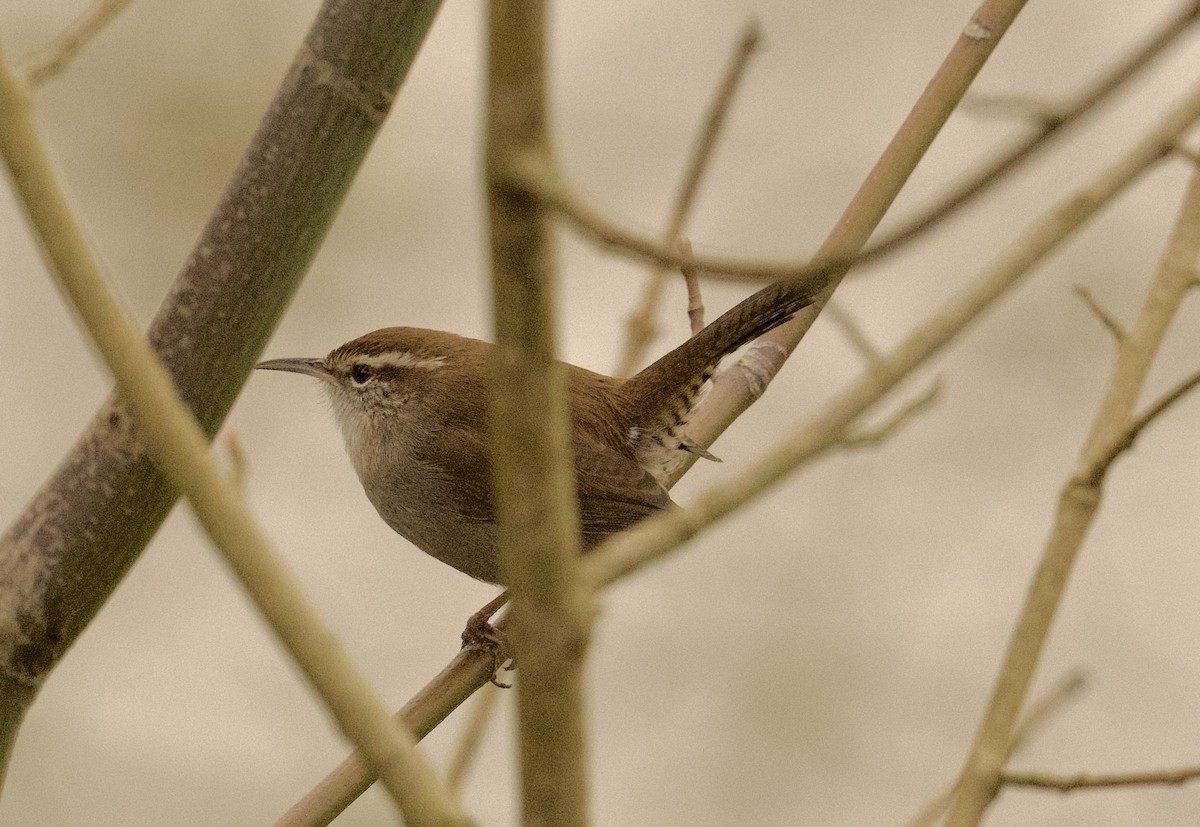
(412, 406)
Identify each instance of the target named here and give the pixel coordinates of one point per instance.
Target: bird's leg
(480, 634)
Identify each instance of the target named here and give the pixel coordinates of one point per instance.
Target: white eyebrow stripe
(401, 359)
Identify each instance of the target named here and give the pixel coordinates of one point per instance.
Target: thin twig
(657, 535)
(480, 718)
(852, 330)
(1091, 781)
(181, 450)
(547, 185)
(695, 304)
(1106, 319)
(1112, 432)
(864, 438)
(49, 62)
(1041, 712)
(642, 328)
(1124, 441)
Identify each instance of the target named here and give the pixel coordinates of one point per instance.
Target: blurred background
(821, 658)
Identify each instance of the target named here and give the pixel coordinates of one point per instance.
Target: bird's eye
(360, 373)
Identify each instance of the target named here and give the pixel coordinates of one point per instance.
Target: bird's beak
(309, 367)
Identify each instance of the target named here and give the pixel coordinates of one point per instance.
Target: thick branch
(180, 449)
(74, 542)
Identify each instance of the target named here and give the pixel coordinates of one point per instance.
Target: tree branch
(1079, 501)
(49, 62)
(532, 475)
(74, 542)
(180, 449)
(1086, 781)
(641, 323)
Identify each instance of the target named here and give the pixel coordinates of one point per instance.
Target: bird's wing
(614, 492)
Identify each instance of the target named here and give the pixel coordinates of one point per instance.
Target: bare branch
(70, 547)
(874, 436)
(1041, 711)
(180, 448)
(1124, 441)
(660, 534)
(852, 331)
(1111, 432)
(695, 305)
(1114, 327)
(548, 185)
(50, 61)
(533, 479)
(642, 329)
(1086, 781)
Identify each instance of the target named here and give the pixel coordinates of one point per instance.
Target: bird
(411, 404)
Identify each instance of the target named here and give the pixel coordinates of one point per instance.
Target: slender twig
(1112, 433)
(695, 303)
(480, 718)
(50, 61)
(657, 535)
(180, 448)
(1040, 112)
(852, 330)
(1041, 712)
(1106, 319)
(1124, 440)
(532, 478)
(870, 437)
(642, 329)
(1091, 781)
(592, 224)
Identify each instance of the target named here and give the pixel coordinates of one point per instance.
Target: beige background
(820, 659)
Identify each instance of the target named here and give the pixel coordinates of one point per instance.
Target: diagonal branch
(589, 222)
(74, 542)
(1112, 431)
(180, 449)
(49, 62)
(641, 322)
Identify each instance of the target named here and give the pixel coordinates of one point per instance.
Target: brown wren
(412, 406)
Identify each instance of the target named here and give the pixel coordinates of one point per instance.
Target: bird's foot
(482, 635)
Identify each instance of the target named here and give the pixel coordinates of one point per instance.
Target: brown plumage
(412, 406)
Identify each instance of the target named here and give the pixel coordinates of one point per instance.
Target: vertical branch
(533, 480)
(1078, 503)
